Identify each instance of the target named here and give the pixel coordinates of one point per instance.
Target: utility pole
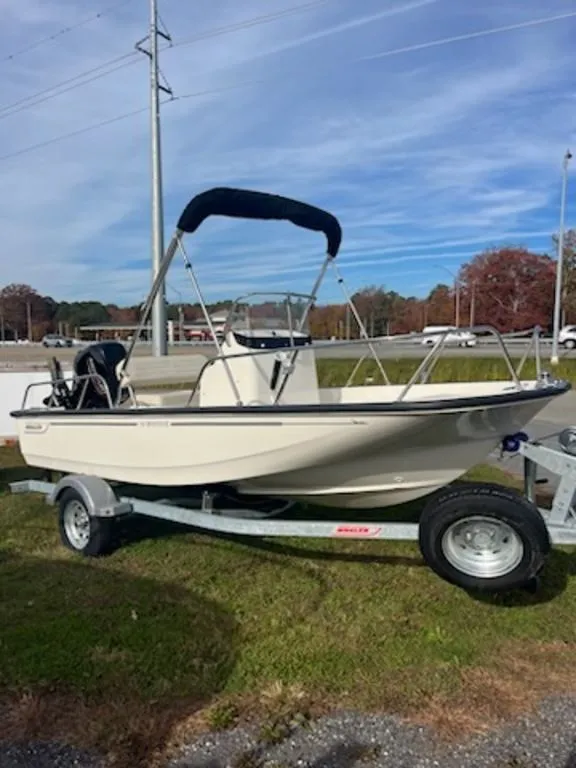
(456, 294)
(560, 261)
(29, 319)
(457, 307)
(159, 341)
(472, 303)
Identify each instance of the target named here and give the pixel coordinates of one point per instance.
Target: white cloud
(419, 154)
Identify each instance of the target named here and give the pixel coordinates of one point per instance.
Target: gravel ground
(546, 739)
(38, 754)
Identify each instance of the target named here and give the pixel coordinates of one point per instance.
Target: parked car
(567, 336)
(55, 340)
(454, 337)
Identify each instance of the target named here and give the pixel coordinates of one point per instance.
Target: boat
(257, 421)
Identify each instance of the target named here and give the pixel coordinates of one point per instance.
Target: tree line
(26, 314)
(510, 287)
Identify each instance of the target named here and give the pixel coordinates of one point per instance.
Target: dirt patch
(126, 732)
(513, 685)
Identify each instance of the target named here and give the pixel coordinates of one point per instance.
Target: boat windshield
(270, 311)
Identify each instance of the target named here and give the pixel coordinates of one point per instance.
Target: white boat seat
(171, 398)
(170, 369)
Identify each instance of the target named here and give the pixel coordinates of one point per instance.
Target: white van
(454, 337)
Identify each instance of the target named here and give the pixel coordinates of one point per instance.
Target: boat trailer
(479, 536)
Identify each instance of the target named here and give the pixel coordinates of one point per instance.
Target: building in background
(195, 331)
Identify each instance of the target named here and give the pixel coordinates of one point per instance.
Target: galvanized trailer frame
(101, 501)
(560, 519)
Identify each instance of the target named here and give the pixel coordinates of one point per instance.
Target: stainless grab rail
(422, 372)
(71, 378)
(432, 357)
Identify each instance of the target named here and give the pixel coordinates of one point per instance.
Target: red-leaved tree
(513, 288)
(408, 315)
(440, 306)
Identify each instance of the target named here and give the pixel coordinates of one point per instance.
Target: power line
(131, 55)
(470, 36)
(64, 31)
(70, 135)
(21, 108)
(247, 23)
(124, 116)
(129, 59)
(394, 52)
(211, 91)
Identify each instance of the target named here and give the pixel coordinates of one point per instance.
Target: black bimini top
(484, 401)
(249, 204)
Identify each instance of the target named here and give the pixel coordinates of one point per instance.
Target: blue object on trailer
(511, 443)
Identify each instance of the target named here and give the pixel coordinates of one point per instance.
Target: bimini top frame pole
(243, 204)
(196, 286)
(156, 285)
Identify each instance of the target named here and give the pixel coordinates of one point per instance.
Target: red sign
(359, 531)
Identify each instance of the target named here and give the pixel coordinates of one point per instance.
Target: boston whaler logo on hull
(35, 427)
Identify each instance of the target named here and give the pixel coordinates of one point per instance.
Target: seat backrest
(97, 360)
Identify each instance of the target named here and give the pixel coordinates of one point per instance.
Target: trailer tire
(483, 537)
(80, 531)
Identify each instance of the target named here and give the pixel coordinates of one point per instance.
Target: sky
(427, 148)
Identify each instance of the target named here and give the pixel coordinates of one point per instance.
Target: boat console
(267, 339)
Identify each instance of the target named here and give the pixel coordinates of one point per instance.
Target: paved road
(22, 357)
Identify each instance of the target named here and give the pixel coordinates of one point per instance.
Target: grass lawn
(335, 372)
(177, 632)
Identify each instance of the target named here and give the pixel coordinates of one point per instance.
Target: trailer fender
(97, 494)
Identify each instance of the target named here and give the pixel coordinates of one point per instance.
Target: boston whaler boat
(258, 419)
(257, 422)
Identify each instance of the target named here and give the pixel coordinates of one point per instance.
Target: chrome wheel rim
(484, 547)
(77, 524)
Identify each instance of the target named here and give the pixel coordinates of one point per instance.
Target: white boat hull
(345, 458)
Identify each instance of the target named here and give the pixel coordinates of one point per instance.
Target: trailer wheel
(483, 536)
(79, 530)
